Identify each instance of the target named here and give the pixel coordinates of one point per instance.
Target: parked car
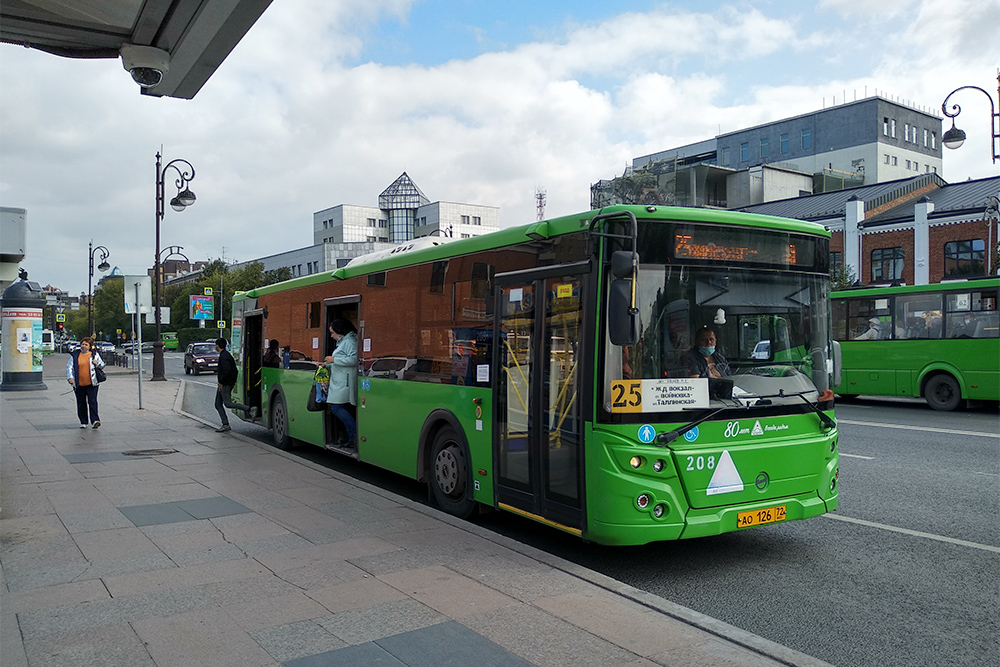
(201, 357)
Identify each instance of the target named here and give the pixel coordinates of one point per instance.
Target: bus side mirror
(621, 264)
(837, 365)
(623, 324)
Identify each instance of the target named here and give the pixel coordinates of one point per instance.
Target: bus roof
(425, 252)
(888, 290)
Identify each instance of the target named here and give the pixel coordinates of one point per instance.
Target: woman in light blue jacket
(81, 373)
(343, 363)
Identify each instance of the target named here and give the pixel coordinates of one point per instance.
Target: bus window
(919, 315)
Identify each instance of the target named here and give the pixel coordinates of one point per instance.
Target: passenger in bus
(874, 330)
(705, 361)
(343, 365)
(272, 357)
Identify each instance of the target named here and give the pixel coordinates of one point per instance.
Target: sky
(326, 102)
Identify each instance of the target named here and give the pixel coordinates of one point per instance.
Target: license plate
(760, 517)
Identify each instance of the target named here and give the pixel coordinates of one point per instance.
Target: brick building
(913, 231)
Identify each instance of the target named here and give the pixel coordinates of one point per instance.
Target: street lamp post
(183, 199)
(102, 267)
(955, 137)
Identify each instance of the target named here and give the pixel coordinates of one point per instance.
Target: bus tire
(942, 392)
(450, 476)
(279, 423)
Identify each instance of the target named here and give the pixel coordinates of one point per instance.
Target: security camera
(146, 64)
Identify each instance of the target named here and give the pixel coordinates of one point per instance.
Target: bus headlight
(636, 462)
(660, 510)
(658, 465)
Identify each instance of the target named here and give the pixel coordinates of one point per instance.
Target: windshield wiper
(765, 400)
(664, 439)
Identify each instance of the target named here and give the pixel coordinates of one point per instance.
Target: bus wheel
(279, 423)
(450, 474)
(942, 392)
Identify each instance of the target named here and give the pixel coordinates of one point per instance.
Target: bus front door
(539, 457)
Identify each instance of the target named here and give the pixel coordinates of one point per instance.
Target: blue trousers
(342, 412)
(86, 397)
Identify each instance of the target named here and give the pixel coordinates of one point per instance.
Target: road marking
(914, 533)
(920, 428)
(858, 456)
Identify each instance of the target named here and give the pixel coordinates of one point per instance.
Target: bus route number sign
(668, 394)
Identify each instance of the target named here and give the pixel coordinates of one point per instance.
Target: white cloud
(288, 126)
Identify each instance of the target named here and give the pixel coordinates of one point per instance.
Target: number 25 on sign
(626, 396)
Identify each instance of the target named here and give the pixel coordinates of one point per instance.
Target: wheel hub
(448, 471)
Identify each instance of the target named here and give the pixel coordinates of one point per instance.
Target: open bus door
(538, 456)
(252, 357)
(339, 308)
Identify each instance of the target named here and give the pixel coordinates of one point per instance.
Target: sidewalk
(156, 541)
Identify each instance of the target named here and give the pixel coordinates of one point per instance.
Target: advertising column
(22, 309)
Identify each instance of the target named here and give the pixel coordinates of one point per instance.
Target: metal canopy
(198, 34)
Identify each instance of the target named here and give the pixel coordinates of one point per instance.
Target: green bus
(545, 370)
(169, 340)
(941, 341)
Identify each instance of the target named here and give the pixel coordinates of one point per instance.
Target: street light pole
(955, 137)
(102, 267)
(183, 199)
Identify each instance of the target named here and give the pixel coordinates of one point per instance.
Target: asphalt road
(905, 573)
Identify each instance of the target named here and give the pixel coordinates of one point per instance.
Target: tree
(842, 278)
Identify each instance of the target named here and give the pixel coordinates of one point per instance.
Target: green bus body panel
(801, 463)
(900, 368)
(391, 415)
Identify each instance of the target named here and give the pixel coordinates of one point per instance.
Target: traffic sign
(208, 291)
(221, 324)
(60, 317)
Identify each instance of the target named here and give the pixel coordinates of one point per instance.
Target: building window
(965, 258)
(916, 166)
(313, 314)
(376, 279)
(887, 158)
(764, 147)
(465, 219)
(906, 132)
(926, 134)
(783, 142)
(892, 128)
(934, 140)
(807, 138)
(745, 152)
(907, 164)
(476, 220)
(887, 264)
(725, 156)
(895, 161)
(885, 126)
(371, 222)
(465, 236)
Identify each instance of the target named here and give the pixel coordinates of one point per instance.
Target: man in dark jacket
(228, 375)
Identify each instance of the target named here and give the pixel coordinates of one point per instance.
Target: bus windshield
(771, 330)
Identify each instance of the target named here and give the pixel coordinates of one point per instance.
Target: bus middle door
(539, 453)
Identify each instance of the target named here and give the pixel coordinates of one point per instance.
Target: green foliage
(843, 278)
(195, 334)
(224, 279)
